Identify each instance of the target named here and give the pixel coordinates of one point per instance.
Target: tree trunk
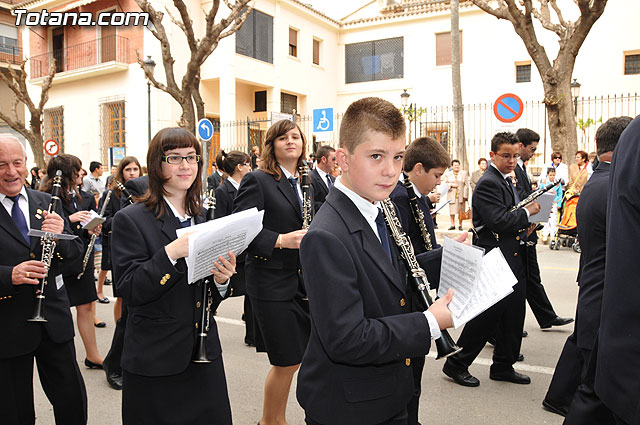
(458, 108)
(561, 119)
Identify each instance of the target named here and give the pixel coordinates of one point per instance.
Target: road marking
(481, 361)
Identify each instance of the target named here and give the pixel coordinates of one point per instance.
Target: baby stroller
(567, 233)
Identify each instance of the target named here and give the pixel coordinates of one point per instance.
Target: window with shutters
(632, 62)
(293, 42)
(255, 38)
(374, 60)
(288, 103)
(112, 126)
(443, 48)
(53, 124)
(523, 72)
(316, 51)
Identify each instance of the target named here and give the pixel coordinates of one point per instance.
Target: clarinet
(200, 348)
(125, 192)
(418, 215)
(92, 242)
(307, 202)
(48, 242)
(532, 197)
(445, 345)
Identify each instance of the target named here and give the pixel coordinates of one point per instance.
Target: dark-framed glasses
(507, 157)
(177, 159)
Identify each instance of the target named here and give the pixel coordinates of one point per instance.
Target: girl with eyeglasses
(161, 384)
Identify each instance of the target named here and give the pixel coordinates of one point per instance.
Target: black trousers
(505, 320)
(536, 295)
(566, 377)
(60, 378)
(399, 419)
(249, 332)
(417, 366)
(114, 356)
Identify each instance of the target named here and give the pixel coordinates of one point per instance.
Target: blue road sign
(205, 129)
(322, 120)
(508, 108)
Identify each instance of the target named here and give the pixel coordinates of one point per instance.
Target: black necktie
(18, 217)
(329, 182)
(294, 185)
(524, 168)
(185, 223)
(513, 189)
(382, 232)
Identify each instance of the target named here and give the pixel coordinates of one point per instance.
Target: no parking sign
(508, 108)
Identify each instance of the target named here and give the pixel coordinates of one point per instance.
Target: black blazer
(162, 308)
(320, 188)
(136, 187)
(618, 368)
(355, 369)
(592, 228)
(492, 199)
(213, 181)
(272, 274)
(523, 187)
(112, 208)
(433, 258)
(87, 203)
(17, 336)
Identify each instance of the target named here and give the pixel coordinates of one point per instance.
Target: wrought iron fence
(90, 53)
(10, 54)
(479, 125)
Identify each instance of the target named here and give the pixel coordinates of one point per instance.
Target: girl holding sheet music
(161, 384)
(274, 276)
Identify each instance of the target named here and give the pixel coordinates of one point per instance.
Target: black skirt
(81, 291)
(197, 396)
(105, 263)
(282, 329)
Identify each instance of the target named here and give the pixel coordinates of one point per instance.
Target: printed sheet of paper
(444, 188)
(93, 222)
(546, 202)
(460, 267)
(214, 238)
(494, 282)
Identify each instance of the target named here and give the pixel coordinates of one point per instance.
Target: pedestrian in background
(457, 181)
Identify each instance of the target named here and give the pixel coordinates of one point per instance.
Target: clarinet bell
(445, 346)
(200, 351)
(38, 310)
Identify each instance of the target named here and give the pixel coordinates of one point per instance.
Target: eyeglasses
(177, 159)
(507, 157)
(556, 157)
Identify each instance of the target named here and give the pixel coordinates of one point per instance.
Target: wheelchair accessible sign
(323, 123)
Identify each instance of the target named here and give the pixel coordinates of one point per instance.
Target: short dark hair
(228, 162)
(556, 154)
(503, 138)
(426, 151)
(94, 165)
(70, 166)
(584, 155)
(366, 115)
(454, 161)
(324, 151)
(164, 141)
(608, 134)
(268, 162)
(482, 159)
(551, 170)
(527, 136)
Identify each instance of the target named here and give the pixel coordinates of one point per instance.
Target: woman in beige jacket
(458, 182)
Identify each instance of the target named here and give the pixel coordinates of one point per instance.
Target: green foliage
(412, 113)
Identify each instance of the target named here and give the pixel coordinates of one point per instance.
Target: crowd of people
(334, 301)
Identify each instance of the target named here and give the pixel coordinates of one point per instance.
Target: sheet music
(460, 266)
(93, 222)
(444, 188)
(214, 238)
(478, 281)
(546, 203)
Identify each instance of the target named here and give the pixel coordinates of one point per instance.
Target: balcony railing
(10, 54)
(91, 53)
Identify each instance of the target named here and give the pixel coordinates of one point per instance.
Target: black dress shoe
(91, 365)
(104, 300)
(452, 228)
(100, 324)
(525, 334)
(510, 376)
(461, 376)
(558, 321)
(520, 358)
(459, 227)
(107, 281)
(553, 408)
(114, 379)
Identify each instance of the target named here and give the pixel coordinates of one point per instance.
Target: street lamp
(575, 92)
(404, 101)
(149, 66)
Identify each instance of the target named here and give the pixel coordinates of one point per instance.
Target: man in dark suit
(50, 343)
(536, 295)
(586, 407)
(213, 181)
(321, 177)
(498, 227)
(617, 381)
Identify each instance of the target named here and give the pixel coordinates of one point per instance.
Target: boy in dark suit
(321, 177)
(356, 369)
(498, 227)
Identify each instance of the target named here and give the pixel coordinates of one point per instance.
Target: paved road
(443, 402)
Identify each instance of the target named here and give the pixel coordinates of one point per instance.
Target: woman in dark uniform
(234, 166)
(273, 275)
(76, 204)
(129, 168)
(161, 384)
